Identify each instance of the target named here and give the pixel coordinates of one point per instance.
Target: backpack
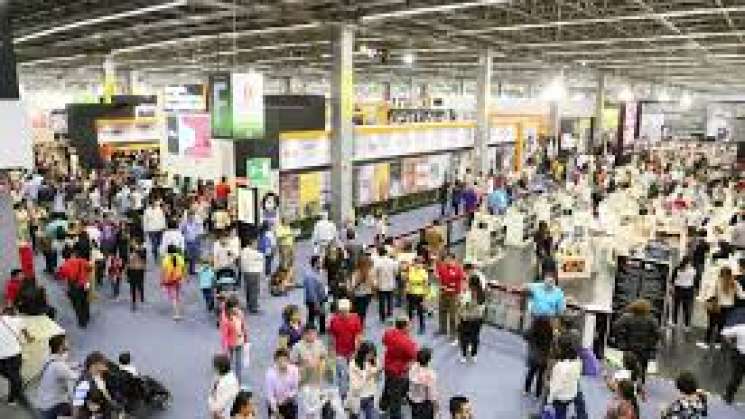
(172, 272)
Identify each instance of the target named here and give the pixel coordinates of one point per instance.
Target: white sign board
(15, 136)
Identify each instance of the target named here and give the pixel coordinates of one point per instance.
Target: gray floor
(179, 353)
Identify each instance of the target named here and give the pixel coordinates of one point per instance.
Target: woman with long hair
(540, 339)
(364, 375)
(624, 404)
(720, 300)
(472, 305)
(565, 375)
(173, 273)
(362, 283)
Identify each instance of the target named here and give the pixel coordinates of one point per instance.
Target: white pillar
(483, 96)
(342, 133)
(599, 108)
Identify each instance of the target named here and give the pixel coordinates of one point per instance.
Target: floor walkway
(179, 353)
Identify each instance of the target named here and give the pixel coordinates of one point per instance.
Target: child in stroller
(226, 286)
(133, 391)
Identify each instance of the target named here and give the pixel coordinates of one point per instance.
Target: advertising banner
(365, 180)
(128, 130)
(221, 108)
(310, 192)
(185, 97)
(258, 171)
(289, 192)
(246, 205)
(248, 105)
(194, 135)
(306, 149)
(382, 182)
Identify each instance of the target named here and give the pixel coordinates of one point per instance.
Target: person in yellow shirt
(417, 287)
(173, 273)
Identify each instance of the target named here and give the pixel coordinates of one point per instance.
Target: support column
(386, 91)
(483, 96)
(555, 121)
(597, 131)
(135, 82)
(342, 133)
(287, 85)
(8, 74)
(462, 86)
(109, 79)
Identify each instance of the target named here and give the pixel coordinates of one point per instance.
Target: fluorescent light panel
(432, 9)
(101, 19)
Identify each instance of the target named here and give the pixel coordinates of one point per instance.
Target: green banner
(221, 108)
(259, 172)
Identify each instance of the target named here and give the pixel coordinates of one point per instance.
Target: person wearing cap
(345, 330)
(400, 352)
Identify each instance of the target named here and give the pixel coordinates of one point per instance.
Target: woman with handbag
(471, 307)
(362, 286)
(720, 300)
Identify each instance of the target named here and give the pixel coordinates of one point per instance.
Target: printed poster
(310, 193)
(221, 106)
(248, 105)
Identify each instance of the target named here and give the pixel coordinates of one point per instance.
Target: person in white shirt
(57, 379)
(223, 257)
(684, 292)
(172, 237)
(565, 376)
(12, 335)
(386, 269)
(252, 266)
(154, 223)
(324, 232)
(224, 389)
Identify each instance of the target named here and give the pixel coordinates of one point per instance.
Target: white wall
(15, 136)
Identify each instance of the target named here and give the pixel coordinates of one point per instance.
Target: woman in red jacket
(233, 334)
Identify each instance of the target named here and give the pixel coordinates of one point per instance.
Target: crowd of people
(99, 230)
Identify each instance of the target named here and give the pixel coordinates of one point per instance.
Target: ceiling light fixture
(408, 58)
(101, 19)
(431, 9)
(554, 91)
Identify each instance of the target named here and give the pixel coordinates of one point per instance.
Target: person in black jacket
(637, 333)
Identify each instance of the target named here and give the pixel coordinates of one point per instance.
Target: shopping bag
(590, 364)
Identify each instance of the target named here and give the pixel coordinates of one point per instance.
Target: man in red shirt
(222, 190)
(345, 330)
(13, 286)
(452, 277)
(77, 271)
(400, 352)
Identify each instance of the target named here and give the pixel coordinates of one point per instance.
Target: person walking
(154, 223)
(333, 263)
(192, 230)
(315, 295)
(173, 273)
(136, 264)
(720, 300)
(206, 279)
(423, 395)
(76, 271)
(540, 339)
(267, 245)
(345, 330)
(13, 335)
(224, 389)
(737, 334)
(683, 294)
(252, 267)
(400, 352)
(452, 280)
(57, 377)
(637, 334)
(564, 379)
(282, 383)
(286, 244)
(364, 375)
(456, 196)
(417, 287)
(362, 283)
(385, 271)
(472, 304)
(234, 335)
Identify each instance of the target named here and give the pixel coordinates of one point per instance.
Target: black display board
(640, 278)
(81, 128)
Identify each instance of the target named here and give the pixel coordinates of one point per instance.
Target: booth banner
(258, 172)
(365, 184)
(304, 150)
(310, 186)
(397, 142)
(502, 134)
(248, 105)
(189, 135)
(289, 192)
(185, 97)
(127, 130)
(629, 123)
(423, 174)
(247, 205)
(221, 106)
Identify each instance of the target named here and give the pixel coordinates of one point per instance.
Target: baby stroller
(135, 392)
(226, 286)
